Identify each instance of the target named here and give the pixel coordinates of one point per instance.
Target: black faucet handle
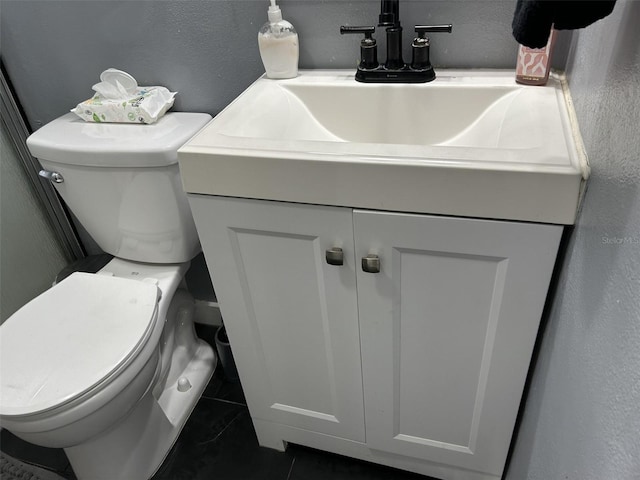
(420, 47)
(367, 31)
(368, 46)
(422, 30)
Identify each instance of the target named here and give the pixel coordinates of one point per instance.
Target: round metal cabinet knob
(371, 264)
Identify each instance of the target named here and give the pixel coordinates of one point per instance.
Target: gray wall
(30, 254)
(55, 50)
(582, 416)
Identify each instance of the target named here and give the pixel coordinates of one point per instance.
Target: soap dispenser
(278, 44)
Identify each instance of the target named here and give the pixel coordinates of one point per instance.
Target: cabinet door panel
(291, 317)
(447, 329)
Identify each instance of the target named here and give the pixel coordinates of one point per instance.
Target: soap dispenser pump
(278, 44)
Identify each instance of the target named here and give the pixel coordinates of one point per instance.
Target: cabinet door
(447, 330)
(291, 317)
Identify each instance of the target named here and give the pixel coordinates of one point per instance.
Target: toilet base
(136, 447)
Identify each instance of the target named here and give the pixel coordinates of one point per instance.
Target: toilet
(107, 365)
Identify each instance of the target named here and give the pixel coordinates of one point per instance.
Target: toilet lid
(70, 338)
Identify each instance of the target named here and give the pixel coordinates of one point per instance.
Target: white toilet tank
(123, 184)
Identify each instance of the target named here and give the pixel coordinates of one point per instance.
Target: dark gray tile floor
(218, 442)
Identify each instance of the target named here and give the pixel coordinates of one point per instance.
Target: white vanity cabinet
(420, 366)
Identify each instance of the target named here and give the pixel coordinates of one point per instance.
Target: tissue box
(145, 105)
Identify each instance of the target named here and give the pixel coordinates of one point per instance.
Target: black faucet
(395, 70)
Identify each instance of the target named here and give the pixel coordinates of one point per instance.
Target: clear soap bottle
(278, 44)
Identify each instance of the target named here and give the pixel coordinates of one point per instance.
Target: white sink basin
(448, 114)
(470, 143)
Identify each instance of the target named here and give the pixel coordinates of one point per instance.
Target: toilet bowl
(106, 397)
(107, 365)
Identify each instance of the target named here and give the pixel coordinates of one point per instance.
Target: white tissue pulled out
(113, 91)
(118, 99)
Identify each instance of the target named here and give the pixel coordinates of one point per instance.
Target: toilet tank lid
(71, 140)
(70, 338)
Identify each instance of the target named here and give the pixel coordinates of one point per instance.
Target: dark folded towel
(533, 18)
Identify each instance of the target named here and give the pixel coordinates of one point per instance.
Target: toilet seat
(75, 336)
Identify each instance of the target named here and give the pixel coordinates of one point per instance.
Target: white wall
(30, 254)
(582, 416)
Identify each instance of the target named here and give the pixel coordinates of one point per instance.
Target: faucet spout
(389, 13)
(390, 18)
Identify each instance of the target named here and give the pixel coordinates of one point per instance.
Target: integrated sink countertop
(471, 143)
